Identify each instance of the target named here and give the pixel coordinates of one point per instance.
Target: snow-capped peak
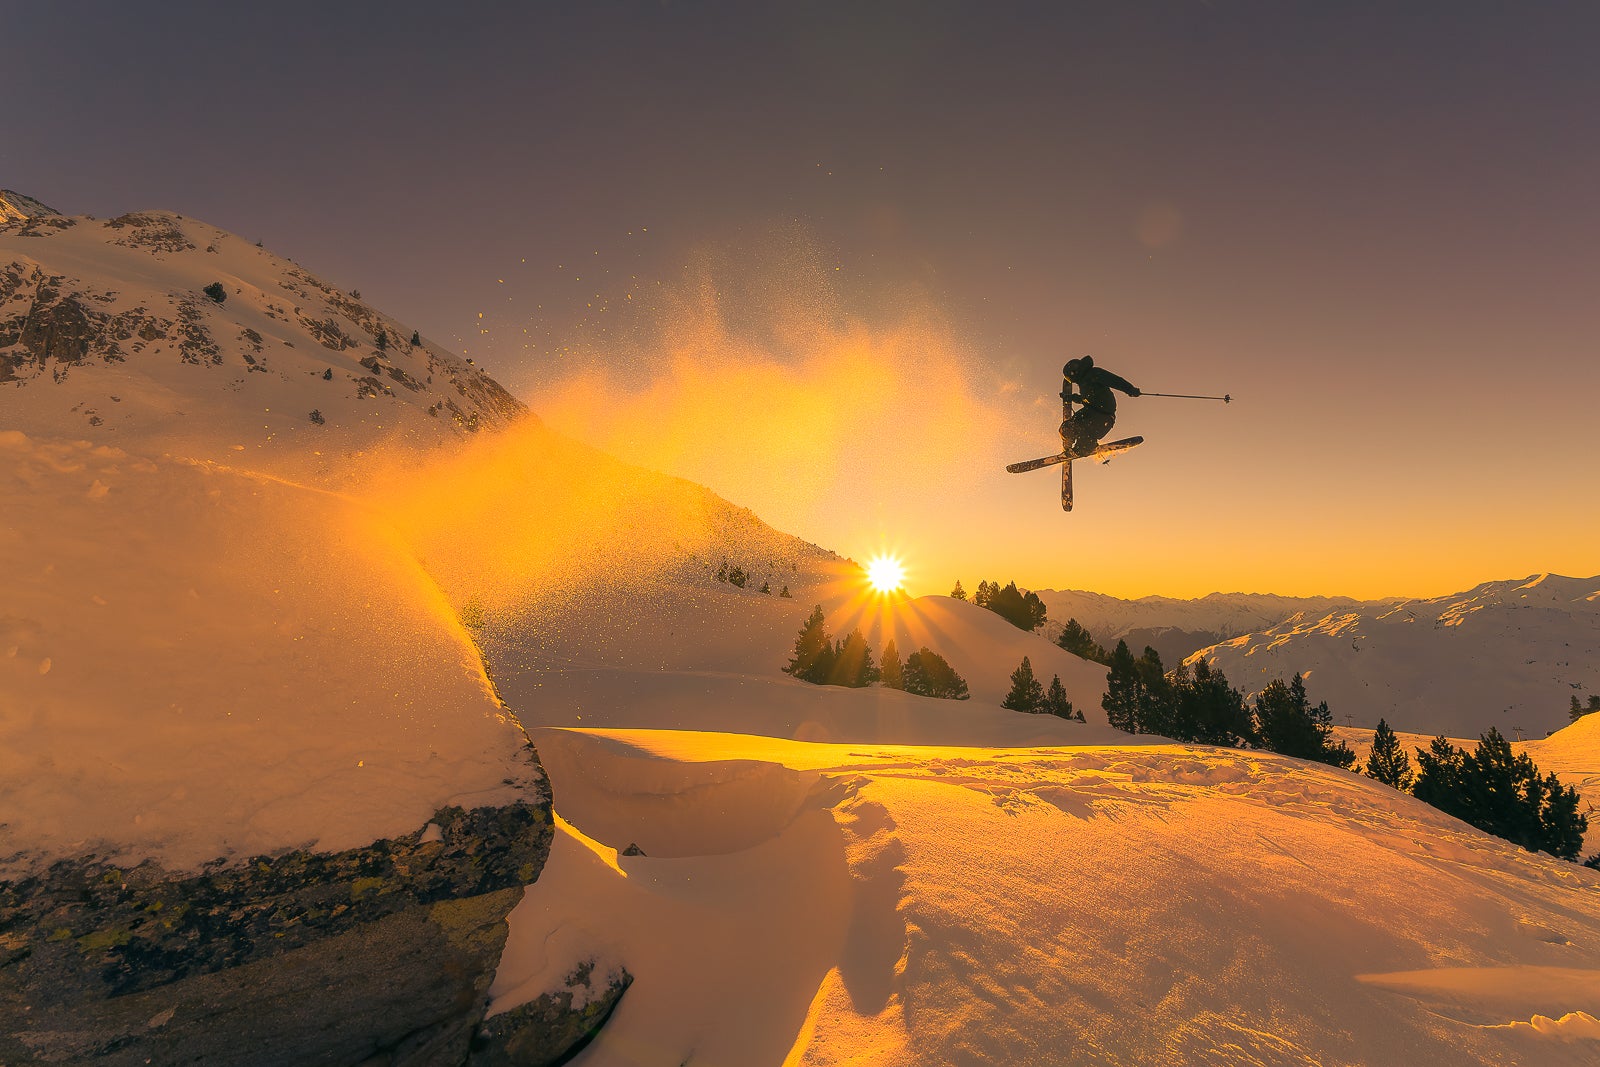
(14, 207)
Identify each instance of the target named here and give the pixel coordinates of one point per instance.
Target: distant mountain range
(1507, 654)
(1177, 628)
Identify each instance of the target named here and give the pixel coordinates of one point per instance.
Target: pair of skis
(1066, 456)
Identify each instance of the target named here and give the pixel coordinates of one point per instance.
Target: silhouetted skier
(1081, 433)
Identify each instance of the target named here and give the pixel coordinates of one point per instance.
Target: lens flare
(885, 574)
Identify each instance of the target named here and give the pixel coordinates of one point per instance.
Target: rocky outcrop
(15, 207)
(548, 1030)
(376, 955)
(49, 326)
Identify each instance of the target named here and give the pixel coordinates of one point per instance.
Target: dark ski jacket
(1094, 390)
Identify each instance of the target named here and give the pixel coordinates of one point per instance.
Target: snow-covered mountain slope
(1175, 628)
(107, 333)
(1506, 654)
(527, 515)
(15, 207)
(697, 659)
(198, 663)
(850, 904)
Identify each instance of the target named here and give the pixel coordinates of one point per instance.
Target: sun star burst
(885, 574)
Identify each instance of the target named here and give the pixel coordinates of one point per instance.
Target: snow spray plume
(528, 514)
(759, 382)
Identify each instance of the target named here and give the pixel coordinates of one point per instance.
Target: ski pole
(1226, 398)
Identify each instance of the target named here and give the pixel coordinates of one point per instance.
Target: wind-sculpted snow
(198, 663)
(1098, 905)
(1507, 655)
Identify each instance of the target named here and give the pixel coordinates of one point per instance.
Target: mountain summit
(156, 329)
(15, 207)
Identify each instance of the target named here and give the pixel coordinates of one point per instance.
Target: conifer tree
(765, 588)
(383, 340)
(1026, 692)
(892, 674)
(985, 593)
(1287, 722)
(1158, 698)
(1056, 702)
(416, 339)
(1206, 709)
(961, 594)
(784, 592)
(1123, 690)
(1440, 773)
(1578, 711)
(1024, 610)
(852, 662)
(1388, 762)
(1075, 639)
(813, 652)
(928, 674)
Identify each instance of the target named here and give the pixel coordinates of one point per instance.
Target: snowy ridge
(15, 207)
(108, 332)
(1507, 654)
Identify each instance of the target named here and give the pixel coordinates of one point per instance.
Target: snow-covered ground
(874, 903)
(197, 662)
(1507, 654)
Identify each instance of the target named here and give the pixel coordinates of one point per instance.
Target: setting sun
(885, 574)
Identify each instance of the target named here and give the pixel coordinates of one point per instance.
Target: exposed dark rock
(152, 230)
(382, 954)
(633, 850)
(371, 388)
(194, 340)
(57, 328)
(327, 333)
(549, 1030)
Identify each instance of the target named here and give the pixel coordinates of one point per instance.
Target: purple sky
(1375, 224)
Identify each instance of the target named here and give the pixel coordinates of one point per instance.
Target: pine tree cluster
(1075, 639)
(1029, 695)
(1200, 706)
(928, 674)
(1387, 762)
(1578, 711)
(1019, 607)
(1503, 794)
(821, 660)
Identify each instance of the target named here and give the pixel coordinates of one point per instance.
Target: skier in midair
(1097, 410)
